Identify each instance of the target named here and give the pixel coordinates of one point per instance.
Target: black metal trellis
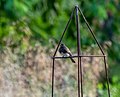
(79, 55)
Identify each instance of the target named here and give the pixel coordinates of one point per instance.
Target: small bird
(65, 52)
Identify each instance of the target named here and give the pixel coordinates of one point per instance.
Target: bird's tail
(71, 58)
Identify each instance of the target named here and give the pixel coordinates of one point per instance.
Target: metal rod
(59, 57)
(64, 31)
(107, 78)
(80, 89)
(90, 29)
(53, 78)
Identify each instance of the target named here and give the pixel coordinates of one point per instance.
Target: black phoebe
(65, 52)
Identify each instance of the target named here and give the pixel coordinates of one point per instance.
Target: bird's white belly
(65, 54)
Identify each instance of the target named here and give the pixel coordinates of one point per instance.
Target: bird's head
(62, 44)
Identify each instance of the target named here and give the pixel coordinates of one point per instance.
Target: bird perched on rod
(65, 52)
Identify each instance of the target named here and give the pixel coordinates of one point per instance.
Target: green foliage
(25, 22)
(114, 88)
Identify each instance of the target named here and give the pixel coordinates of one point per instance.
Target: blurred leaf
(102, 14)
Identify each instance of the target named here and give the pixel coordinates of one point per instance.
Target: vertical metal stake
(80, 92)
(53, 77)
(107, 79)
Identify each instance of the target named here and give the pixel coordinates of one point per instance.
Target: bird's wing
(67, 49)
